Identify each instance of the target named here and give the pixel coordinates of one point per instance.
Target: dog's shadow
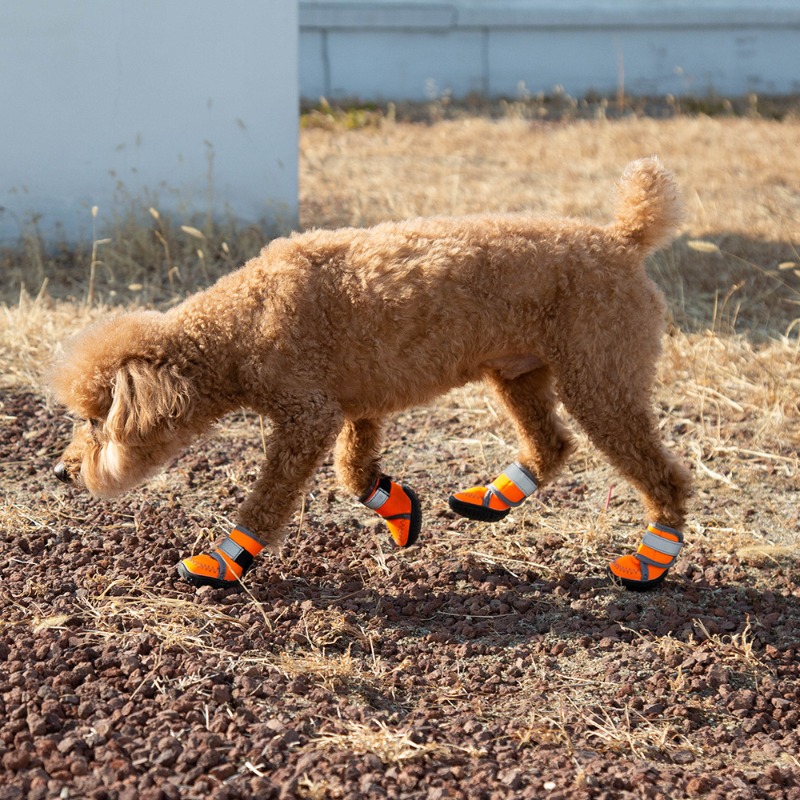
(467, 602)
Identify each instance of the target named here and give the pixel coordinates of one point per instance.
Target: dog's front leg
(304, 430)
(295, 447)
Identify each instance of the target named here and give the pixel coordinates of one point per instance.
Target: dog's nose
(61, 472)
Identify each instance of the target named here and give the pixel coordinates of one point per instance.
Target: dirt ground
(487, 661)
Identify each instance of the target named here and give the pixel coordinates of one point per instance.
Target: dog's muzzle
(61, 472)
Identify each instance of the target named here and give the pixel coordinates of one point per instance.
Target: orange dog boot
(399, 506)
(493, 502)
(226, 564)
(648, 567)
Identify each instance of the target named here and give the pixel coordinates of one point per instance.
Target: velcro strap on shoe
(240, 547)
(514, 476)
(236, 553)
(378, 496)
(493, 491)
(521, 478)
(654, 542)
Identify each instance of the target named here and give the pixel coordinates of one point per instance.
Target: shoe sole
(202, 580)
(637, 586)
(472, 511)
(415, 523)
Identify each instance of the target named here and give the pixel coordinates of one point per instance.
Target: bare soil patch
(488, 661)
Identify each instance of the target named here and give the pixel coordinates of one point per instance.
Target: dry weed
(326, 627)
(735, 649)
(30, 330)
(629, 733)
(768, 554)
(546, 728)
(55, 622)
(391, 745)
(19, 517)
(331, 670)
(124, 609)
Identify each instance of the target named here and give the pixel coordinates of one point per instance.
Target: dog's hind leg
(303, 432)
(618, 418)
(359, 470)
(544, 445)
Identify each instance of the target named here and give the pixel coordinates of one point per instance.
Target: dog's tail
(648, 206)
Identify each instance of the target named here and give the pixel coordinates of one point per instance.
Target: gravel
(347, 669)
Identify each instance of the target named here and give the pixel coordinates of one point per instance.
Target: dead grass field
(581, 667)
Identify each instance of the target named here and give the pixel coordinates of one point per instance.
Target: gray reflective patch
(231, 549)
(521, 478)
(662, 545)
(377, 500)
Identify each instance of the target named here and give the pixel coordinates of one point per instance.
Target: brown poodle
(328, 332)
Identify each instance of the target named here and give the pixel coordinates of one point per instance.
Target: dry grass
(740, 193)
(476, 165)
(632, 734)
(29, 330)
(392, 745)
(125, 610)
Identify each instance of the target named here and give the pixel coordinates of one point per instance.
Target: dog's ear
(146, 398)
(82, 375)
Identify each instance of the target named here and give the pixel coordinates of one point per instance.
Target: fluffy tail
(648, 205)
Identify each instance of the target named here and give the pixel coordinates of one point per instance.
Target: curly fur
(328, 332)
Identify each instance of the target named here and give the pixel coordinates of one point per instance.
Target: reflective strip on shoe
(378, 497)
(226, 564)
(648, 567)
(492, 503)
(520, 477)
(399, 506)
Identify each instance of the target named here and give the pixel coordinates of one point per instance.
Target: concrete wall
(186, 105)
(418, 49)
(191, 105)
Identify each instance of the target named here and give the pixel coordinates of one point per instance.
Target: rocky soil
(486, 662)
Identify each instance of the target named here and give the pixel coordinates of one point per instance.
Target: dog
(328, 332)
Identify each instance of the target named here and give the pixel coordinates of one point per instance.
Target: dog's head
(130, 401)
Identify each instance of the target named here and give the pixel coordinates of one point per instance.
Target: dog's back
(512, 256)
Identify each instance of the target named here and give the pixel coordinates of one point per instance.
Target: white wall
(388, 50)
(186, 105)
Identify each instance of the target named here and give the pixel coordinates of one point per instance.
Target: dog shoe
(399, 506)
(493, 502)
(648, 567)
(226, 564)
